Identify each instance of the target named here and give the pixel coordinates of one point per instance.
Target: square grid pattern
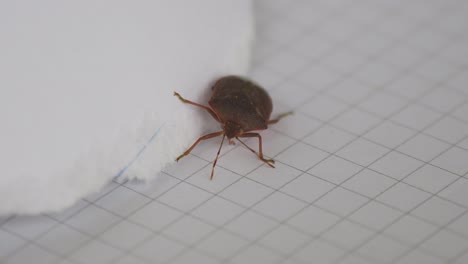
(371, 168)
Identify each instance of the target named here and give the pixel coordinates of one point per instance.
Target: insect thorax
(232, 129)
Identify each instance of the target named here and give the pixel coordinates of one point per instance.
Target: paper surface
(87, 85)
(372, 168)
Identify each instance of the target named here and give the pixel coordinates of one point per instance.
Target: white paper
(86, 84)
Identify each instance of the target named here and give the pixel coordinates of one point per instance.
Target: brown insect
(241, 107)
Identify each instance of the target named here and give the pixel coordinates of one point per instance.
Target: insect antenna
(217, 155)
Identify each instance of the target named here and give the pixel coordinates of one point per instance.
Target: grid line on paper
(244, 187)
(358, 172)
(329, 156)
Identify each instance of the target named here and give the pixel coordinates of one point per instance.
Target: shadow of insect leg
(207, 136)
(199, 105)
(260, 152)
(278, 118)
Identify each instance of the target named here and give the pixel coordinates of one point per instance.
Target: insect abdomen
(241, 101)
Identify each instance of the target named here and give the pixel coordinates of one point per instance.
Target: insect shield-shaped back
(241, 102)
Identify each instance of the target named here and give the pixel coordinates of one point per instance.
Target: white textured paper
(86, 85)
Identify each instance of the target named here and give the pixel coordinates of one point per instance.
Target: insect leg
(207, 136)
(217, 155)
(260, 151)
(199, 105)
(274, 121)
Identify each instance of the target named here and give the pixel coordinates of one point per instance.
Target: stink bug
(241, 107)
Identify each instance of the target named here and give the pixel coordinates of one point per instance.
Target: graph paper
(371, 168)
